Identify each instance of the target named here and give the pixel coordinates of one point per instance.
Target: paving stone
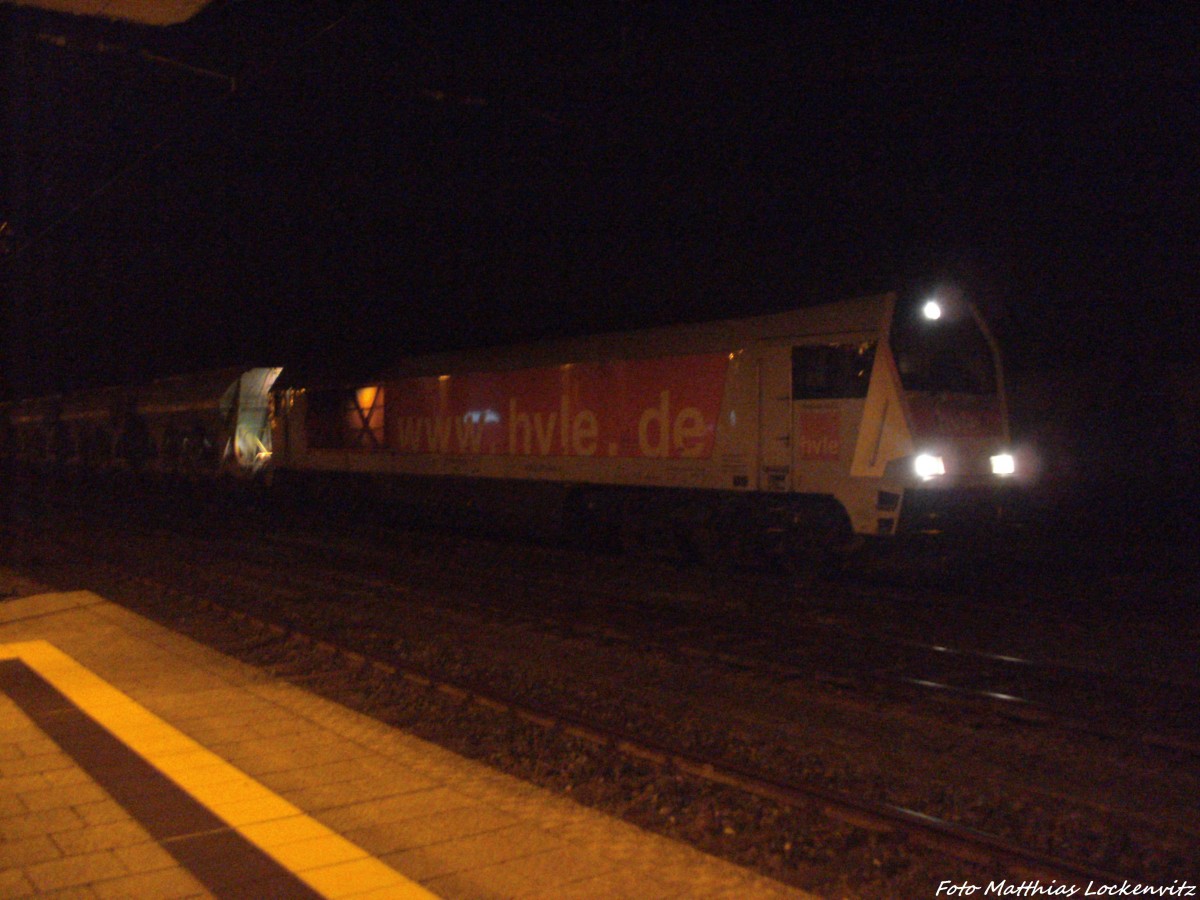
(45, 821)
(11, 805)
(75, 871)
(616, 884)
(147, 856)
(168, 884)
(61, 796)
(382, 814)
(103, 813)
(474, 851)
(41, 763)
(512, 877)
(28, 851)
(13, 883)
(114, 834)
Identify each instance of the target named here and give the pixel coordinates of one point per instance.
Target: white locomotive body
(868, 416)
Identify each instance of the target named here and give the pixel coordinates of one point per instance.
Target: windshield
(943, 355)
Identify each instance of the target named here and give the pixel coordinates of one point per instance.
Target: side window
(826, 371)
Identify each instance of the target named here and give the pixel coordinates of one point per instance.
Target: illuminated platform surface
(137, 763)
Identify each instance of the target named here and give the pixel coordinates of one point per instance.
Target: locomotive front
(961, 473)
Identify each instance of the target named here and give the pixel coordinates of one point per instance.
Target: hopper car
(196, 426)
(784, 435)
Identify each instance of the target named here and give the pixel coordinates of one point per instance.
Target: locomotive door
(829, 385)
(775, 420)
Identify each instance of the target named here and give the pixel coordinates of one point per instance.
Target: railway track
(789, 645)
(296, 621)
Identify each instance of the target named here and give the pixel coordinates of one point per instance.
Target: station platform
(135, 762)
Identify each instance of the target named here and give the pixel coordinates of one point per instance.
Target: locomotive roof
(861, 316)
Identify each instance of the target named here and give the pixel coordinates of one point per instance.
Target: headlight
(1003, 464)
(928, 466)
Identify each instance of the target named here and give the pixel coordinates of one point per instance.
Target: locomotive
(790, 433)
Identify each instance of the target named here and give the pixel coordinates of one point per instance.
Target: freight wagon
(197, 426)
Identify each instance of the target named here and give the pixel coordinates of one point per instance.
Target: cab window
(949, 355)
(829, 371)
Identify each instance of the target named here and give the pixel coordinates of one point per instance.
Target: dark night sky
(396, 177)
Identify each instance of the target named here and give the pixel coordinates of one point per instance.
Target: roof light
(932, 310)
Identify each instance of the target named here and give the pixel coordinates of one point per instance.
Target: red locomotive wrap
(663, 408)
(820, 434)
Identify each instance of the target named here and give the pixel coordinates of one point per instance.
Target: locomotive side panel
(616, 410)
(663, 421)
(704, 427)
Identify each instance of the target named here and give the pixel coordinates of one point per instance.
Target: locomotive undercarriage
(797, 532)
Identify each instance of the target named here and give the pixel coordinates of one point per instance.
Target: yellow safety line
(322, 858)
